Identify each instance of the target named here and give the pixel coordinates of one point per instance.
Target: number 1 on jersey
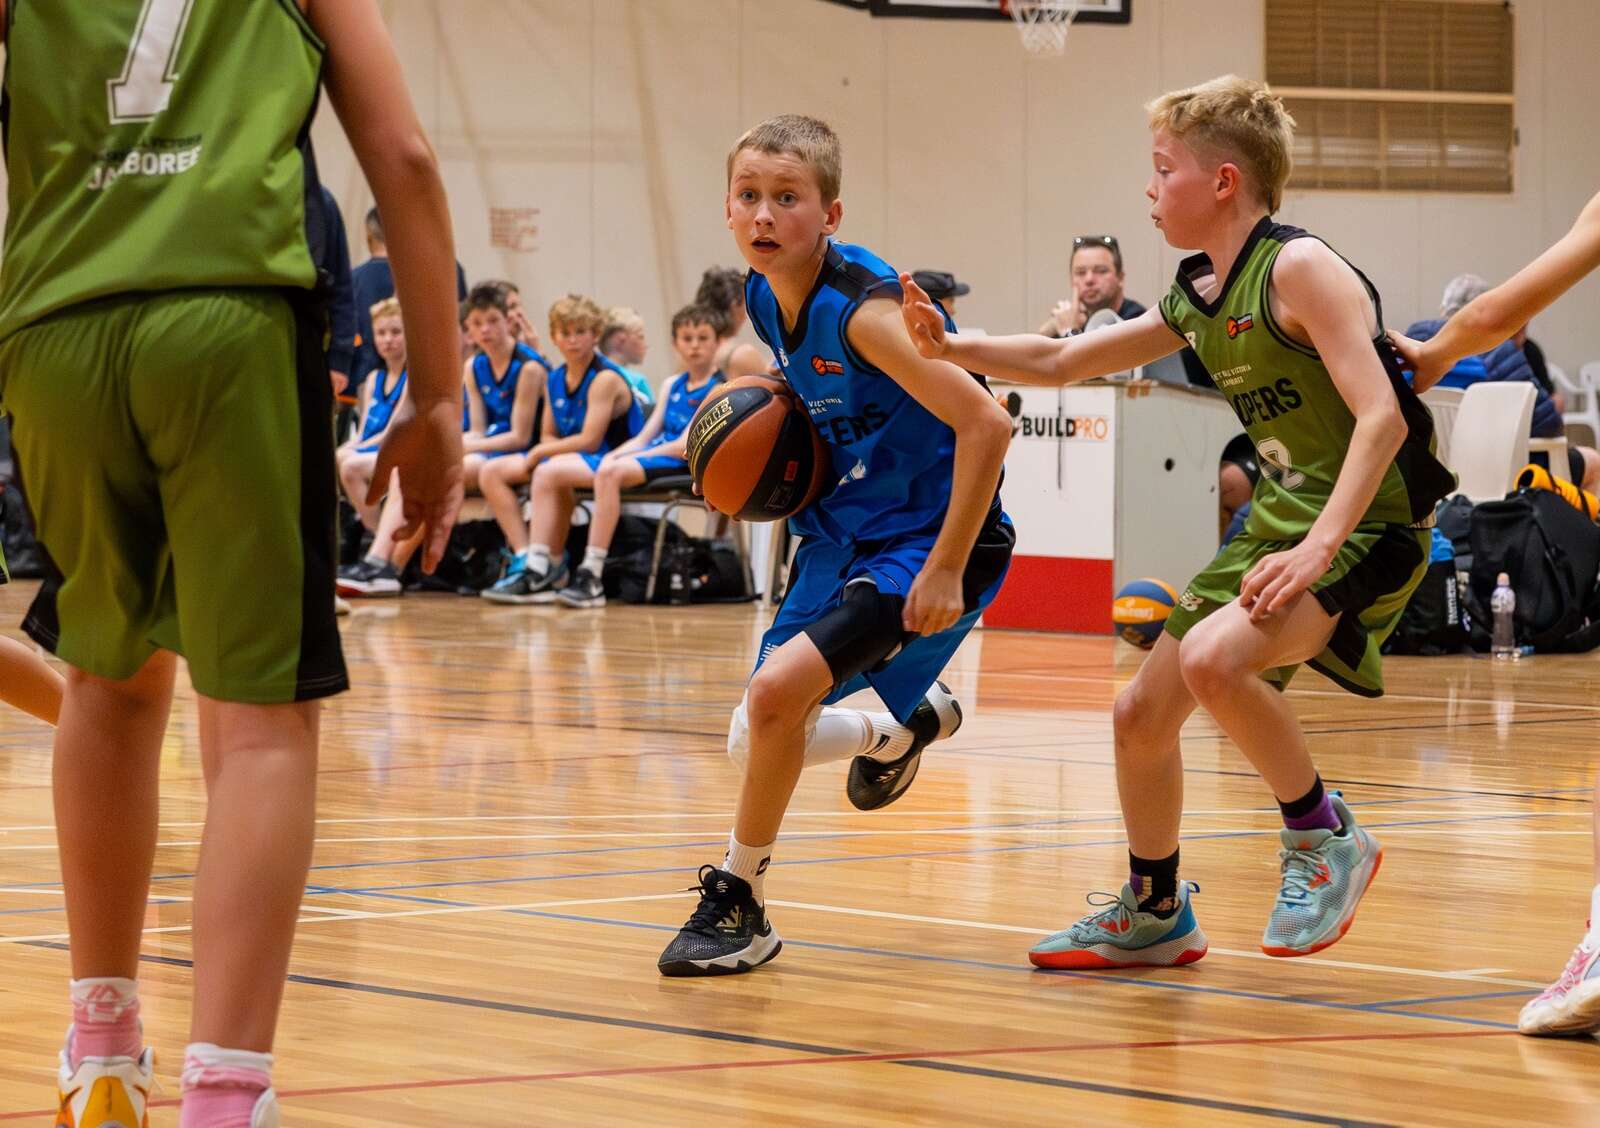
(145, 85)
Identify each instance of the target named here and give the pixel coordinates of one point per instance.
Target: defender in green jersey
(161, 354)
(1336, 540)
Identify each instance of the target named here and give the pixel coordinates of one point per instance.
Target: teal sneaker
(1325, 874)
(1119, 935)
(1570, 1005)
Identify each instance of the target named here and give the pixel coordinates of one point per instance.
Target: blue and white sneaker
(529, 586)
(1570, 1005)
(1325, 875)
(1119, 935)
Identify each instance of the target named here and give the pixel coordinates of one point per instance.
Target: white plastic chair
(1489, 442)
(1582, 396)
(1444, 404)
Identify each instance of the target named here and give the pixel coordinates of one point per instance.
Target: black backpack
(1551, 553)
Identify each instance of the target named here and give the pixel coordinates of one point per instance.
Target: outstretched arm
(1494, 316)
(1030, 359)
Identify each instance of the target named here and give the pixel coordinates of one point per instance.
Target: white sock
(750, 863)
(538, 557)
(1592, 941)
(890, 738)
(594, 559)
(839, 734)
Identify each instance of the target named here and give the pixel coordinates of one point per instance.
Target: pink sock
(221, 1087)
(105, 1019)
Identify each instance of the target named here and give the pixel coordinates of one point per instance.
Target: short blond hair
(813, 141)
(577, 312)
(621, 319)
(388, 307)
(1238, 119)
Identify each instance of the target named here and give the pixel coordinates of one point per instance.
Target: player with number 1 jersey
(162, 324)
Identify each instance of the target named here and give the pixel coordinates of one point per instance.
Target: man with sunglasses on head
(1096, 268)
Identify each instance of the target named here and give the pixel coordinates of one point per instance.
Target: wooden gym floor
(512, 799)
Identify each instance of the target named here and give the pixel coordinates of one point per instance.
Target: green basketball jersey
(155, 145)
(1289, 405)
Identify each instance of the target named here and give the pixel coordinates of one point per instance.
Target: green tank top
(155, 145)
(1289, 405)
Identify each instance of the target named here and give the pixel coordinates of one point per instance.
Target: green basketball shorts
(1368, 585)
(175, 450)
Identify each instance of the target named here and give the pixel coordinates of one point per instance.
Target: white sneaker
(109, 1092)
(1570, 1005)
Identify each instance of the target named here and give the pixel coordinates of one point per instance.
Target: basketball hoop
(1043, 24)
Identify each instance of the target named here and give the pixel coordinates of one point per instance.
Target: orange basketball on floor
(753, 452)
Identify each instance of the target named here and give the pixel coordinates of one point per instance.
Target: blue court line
(1431, 999)
(983, 965)
(800, 1047)
(972, 852)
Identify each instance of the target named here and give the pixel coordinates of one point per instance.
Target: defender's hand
(426, 449)
(924, 320)
(935, 602)
(1418, 359)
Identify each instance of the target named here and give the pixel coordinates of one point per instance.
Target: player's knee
(739, 735)
(1137, 720)
(770, 701)
(1207, 665)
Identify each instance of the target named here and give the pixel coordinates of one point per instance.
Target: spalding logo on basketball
(1140, 610)
(754, 453)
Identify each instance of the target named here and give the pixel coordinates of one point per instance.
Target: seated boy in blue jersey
(657, 451)
(383, 390)
(895, 563)
(623, 343)
(590, 409)
(502, 407)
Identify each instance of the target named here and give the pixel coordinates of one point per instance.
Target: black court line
(528, 1010)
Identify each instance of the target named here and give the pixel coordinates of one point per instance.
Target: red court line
(832, 1059)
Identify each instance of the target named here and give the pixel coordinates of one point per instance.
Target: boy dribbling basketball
(895, 563)
(1337, 537)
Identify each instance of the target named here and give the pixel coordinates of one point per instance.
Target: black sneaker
(728, 934)
(877, 783)
(528, 586)
(585, 590)
(370, 579)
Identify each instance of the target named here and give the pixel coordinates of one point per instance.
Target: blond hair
(577, 312)
(388, 307)
(621, 319)
(1238, 119)
(813, 141)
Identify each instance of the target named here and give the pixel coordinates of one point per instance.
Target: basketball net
(1043, 24)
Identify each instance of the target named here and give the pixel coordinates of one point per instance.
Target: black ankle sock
(1155, 883)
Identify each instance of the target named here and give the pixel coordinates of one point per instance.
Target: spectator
(373, 281)
(1506, 361)
(722, 288)
(504, 386)
(1097, 280)
(942, 287)
(622, 342)
(381, 396)
(331, 251)
(522, 329)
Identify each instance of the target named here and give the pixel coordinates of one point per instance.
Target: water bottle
(1503, 642)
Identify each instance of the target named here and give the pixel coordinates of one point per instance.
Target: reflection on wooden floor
(513, 799)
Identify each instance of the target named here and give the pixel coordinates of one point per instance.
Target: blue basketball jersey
(499, 394)
(569, 409)
(681, 406)
(892, 458)
(380, 408)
